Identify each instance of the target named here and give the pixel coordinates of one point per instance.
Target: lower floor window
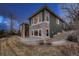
(47, 33)
(36, 32)
(39, 32)
(32, 32)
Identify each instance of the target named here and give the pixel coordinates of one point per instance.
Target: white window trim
(57, 21)
(39, 22)
(48, 32)
(33, 33)
(48, 15)
(38, 33)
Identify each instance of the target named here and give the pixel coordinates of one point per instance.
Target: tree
(71, 12)
(10, 15)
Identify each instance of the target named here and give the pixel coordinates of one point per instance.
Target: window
(36, 19)
(39, 32)
(32, 32)
(40, 17)
(46, 15)
(36, 32)
(57, 21)
(31, 21)
(47, 18)
(47, 33)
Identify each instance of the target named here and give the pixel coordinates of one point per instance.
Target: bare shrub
(41, 42)
(72, 38)
(70, 50)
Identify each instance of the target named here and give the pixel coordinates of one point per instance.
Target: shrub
(72, 38)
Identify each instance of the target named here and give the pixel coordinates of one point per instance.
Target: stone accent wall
(43, 26)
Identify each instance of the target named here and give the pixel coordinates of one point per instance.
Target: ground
(11, 46)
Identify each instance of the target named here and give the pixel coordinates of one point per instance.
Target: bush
(1, 32)
(72, 38)
(4, 33)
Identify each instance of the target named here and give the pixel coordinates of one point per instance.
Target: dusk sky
(24, 11)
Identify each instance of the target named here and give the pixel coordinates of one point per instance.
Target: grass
(12, 46)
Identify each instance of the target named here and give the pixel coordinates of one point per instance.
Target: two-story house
(45, 23)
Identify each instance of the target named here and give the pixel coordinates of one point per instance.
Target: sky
(22, 12)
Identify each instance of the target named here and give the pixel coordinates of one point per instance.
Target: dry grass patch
(13, 46)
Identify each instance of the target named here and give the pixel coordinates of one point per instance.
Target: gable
(47, 9)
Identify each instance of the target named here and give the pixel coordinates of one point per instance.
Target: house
(45, 23)
(24, 30)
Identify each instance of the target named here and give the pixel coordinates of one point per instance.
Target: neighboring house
(45, 23)
(24, 30)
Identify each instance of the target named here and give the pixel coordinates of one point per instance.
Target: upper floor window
(36, 32)
(57, 21)
(35, 19)
(40, 17)
(46, 16)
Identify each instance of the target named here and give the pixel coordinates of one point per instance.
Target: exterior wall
(26, 30)
(49, 22)
(43, 25)
(54, 27)
(22, 31)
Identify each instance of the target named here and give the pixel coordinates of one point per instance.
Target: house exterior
(24, 30)
(45, 23)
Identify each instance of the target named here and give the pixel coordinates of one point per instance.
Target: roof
(49, 10)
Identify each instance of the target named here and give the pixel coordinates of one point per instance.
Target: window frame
(38, 30)
(47, 32)
(35, 33)
(47, 15)
(57, 21)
